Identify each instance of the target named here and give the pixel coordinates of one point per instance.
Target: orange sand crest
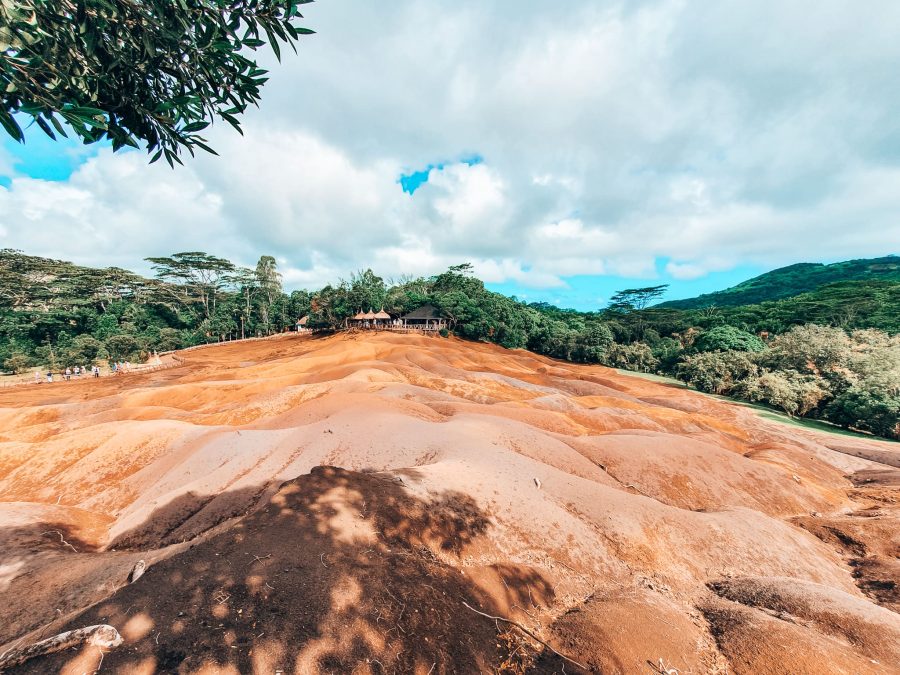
(343, 504)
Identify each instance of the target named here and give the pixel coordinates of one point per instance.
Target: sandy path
(652, 522)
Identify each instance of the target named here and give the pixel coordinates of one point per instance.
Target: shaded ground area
(339, 572)
(631, 525)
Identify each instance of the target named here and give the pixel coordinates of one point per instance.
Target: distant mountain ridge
(787, 282)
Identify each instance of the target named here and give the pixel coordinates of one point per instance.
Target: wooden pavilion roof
(423, 313)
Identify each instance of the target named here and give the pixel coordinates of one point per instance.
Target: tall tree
(268, 280)
(132, 71)
(636, 299)
(201, 276)
(632, 303)
(245, 280)
(367, 291)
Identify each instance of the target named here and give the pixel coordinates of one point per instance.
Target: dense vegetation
(153, 72)
(787, 282)
(832, 354)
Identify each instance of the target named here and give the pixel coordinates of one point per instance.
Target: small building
(370, 319)
(301, 324)
(425, 317)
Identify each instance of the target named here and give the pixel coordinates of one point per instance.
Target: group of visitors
(77, 372)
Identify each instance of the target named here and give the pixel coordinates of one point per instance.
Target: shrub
(84, 349)
(789, 391)
(592, 343)
(17, 362)
(667, 351)
(728, 338)
(169, 339)
(810, 349)
(122, 346)
(637, 357)
(875, 411)
(716, 372)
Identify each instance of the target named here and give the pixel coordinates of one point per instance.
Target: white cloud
(711, 135)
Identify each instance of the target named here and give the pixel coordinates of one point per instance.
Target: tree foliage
(728, 338)
(156, 72)
(636, 299)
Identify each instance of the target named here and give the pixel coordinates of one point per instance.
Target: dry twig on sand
(258, 558)
(663, 669)
(102, 636)
(61, 538)
(526, 631)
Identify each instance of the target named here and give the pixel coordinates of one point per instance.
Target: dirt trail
(630, 524)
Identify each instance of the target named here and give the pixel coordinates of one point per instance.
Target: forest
(832, 353)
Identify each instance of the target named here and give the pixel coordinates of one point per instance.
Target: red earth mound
(629, 525)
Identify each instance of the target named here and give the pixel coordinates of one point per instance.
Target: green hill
(787, 282)
(865, 303)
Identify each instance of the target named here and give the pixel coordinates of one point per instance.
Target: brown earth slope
(633, 526)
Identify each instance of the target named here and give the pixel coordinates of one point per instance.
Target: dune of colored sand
(358, 503)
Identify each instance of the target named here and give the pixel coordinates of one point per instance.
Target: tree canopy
(156, 72)
(632, 299)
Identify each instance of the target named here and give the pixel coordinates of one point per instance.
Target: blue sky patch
(410, 182)
(592, 292)
(42, 157)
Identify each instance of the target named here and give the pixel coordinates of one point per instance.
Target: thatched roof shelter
(422, 314)
(383, 315)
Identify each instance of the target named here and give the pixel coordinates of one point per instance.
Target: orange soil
(632, 525)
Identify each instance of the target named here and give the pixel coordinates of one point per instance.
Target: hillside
(792, 280)
(350, 504)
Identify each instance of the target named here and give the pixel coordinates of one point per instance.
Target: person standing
(50, 376)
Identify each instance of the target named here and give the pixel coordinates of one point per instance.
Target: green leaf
(12, 128)
(56, 125)
(205, 147)
(273, 42)
(45, 127)
(195, 126)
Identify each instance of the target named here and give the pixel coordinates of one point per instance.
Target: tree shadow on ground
(338, 572)
(24, 549)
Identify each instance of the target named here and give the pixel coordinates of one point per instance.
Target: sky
(567, 150)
